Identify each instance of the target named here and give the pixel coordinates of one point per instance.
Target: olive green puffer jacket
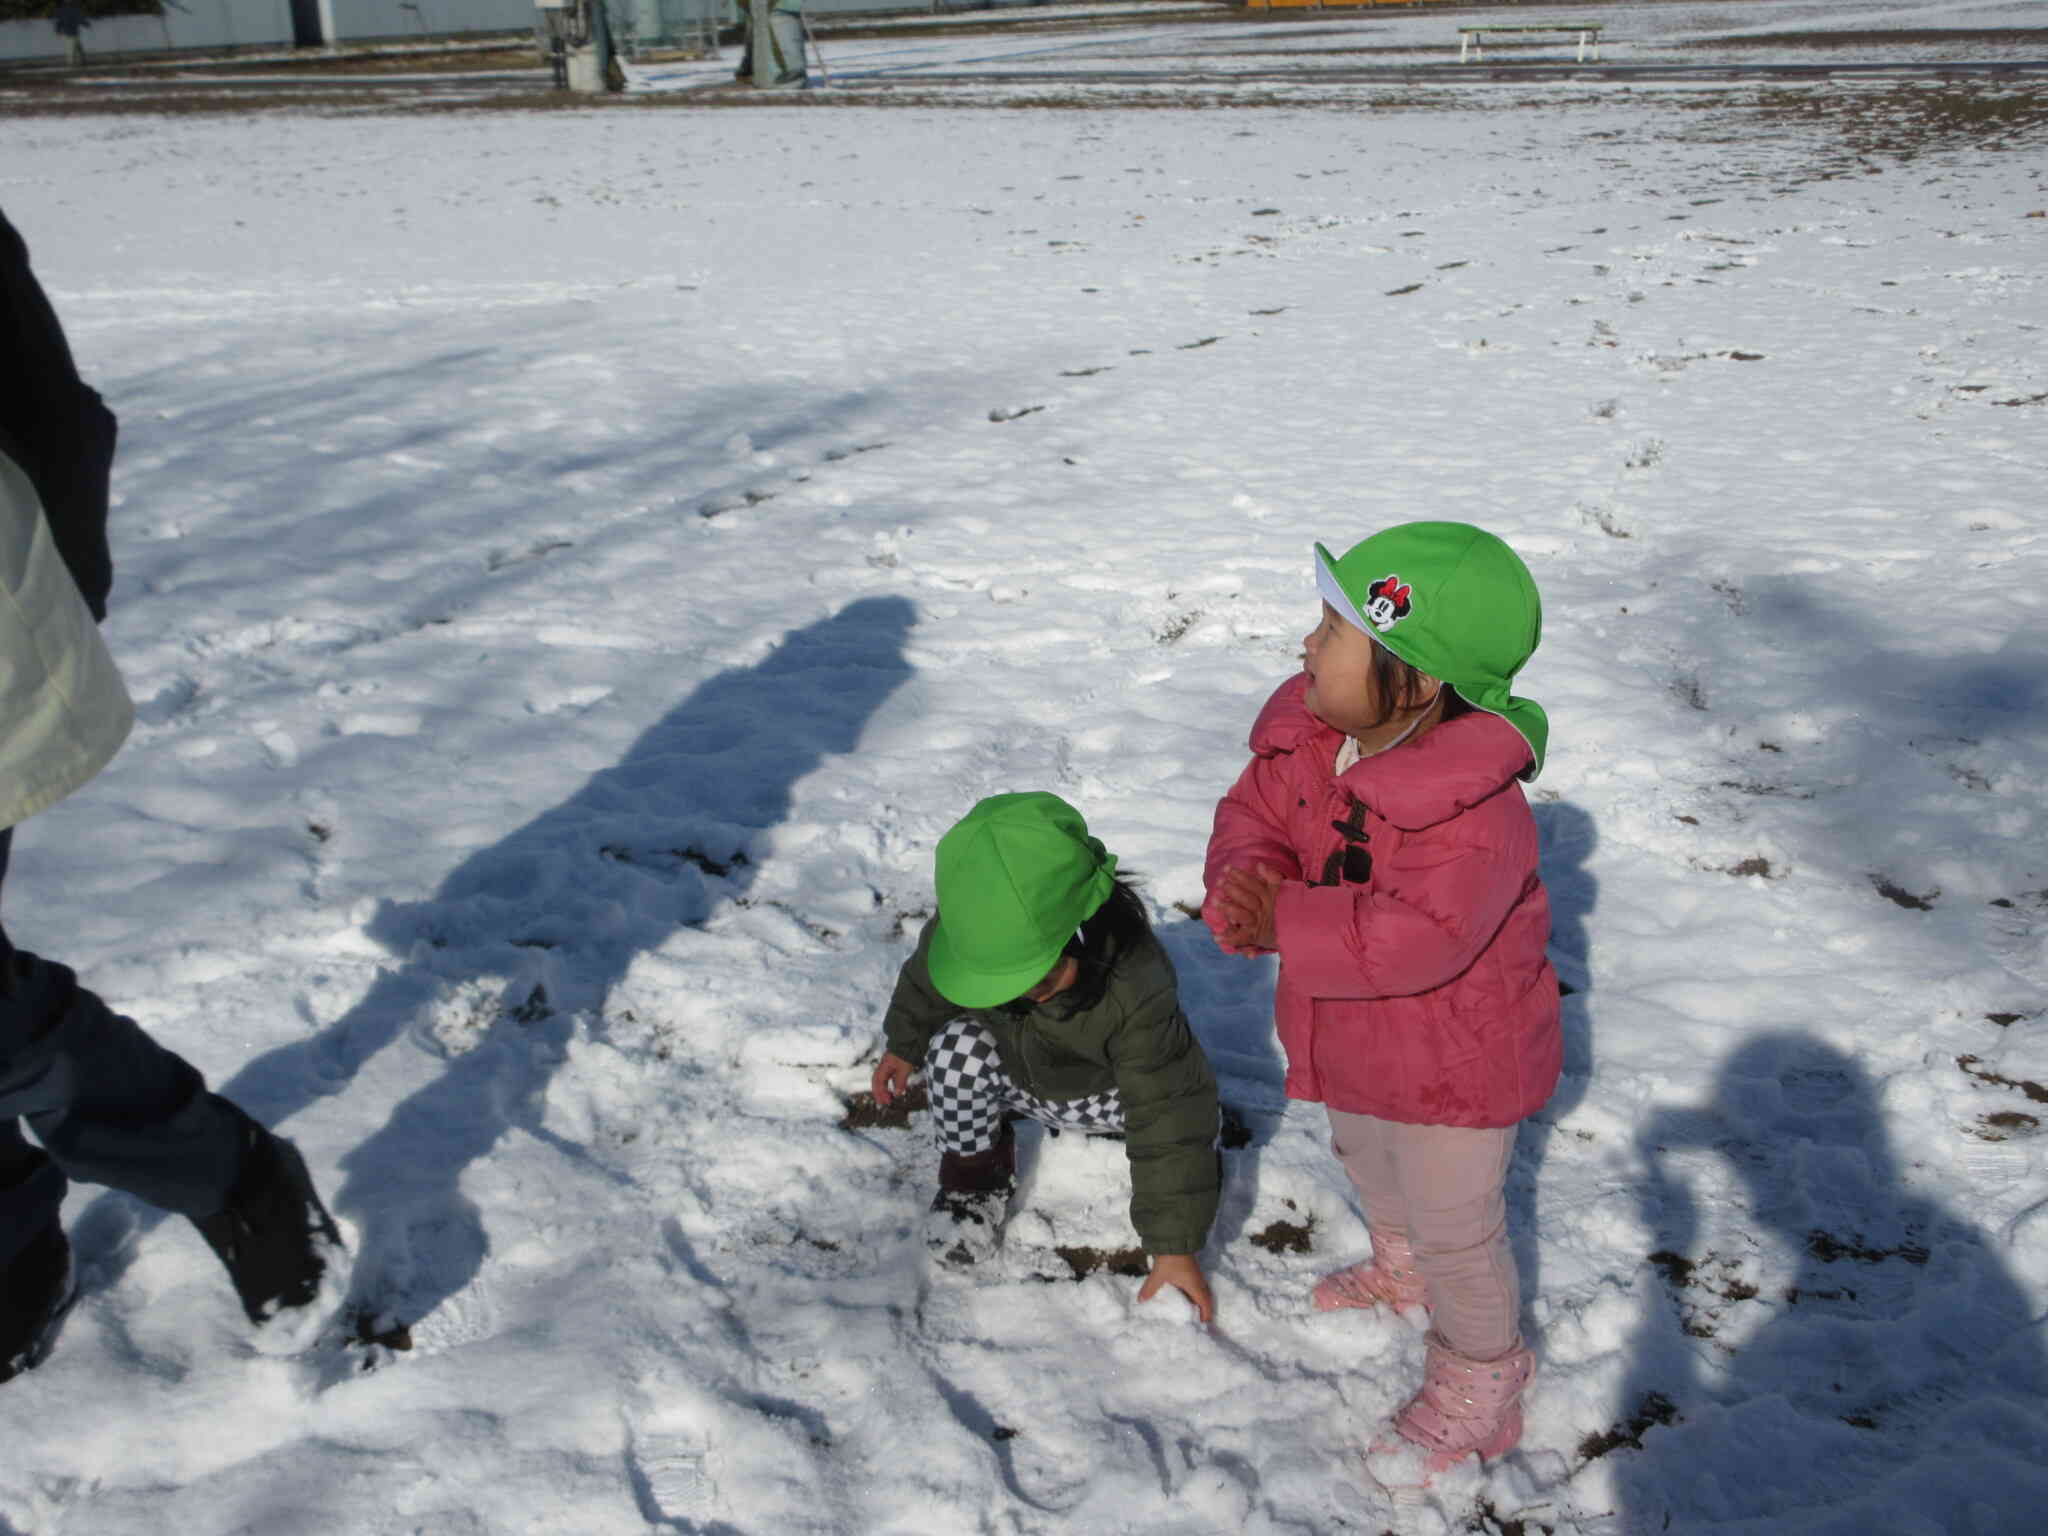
(1136, 1041)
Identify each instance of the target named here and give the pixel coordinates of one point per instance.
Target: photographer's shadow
(1900, 1371)
(528, 935)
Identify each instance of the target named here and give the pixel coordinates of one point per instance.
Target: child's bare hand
(1233, 931)
(1184, 1274)
(1243, 903)
(892, 1077)
(1231, 919)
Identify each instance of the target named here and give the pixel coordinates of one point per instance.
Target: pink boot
(1466, 1407)
(1388, 1279)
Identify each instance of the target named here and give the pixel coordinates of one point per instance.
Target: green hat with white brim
(1453, 601)
(1016, 876)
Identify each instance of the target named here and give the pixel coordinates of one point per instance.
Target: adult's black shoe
(274, 1235)
(36, 1290)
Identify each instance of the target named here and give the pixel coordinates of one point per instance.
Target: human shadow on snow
(1569, 837)
(1823, 1348)
(1229, 1004)
(528, 934)
(1865, 762)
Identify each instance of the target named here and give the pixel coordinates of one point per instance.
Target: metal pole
(590, 49)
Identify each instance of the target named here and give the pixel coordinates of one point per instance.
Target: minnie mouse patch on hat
(1388, 601)
(1450, 600)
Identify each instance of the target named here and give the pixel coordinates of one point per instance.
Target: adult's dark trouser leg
(109, 1105)
(31, 1189)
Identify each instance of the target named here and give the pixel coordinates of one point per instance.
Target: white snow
(572, 566)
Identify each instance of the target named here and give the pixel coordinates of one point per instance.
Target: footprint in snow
(175, 698)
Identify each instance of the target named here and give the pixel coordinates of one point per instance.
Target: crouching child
(1040, 990)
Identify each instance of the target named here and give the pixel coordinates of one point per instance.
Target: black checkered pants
(970, 1093)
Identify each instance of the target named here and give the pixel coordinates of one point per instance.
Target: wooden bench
(1471, 40)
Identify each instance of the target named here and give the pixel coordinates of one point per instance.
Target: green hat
(1016, 876)
(1453, 601)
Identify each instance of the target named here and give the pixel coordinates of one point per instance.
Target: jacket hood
(1418, 783)
(63, 709)
(1285, 722)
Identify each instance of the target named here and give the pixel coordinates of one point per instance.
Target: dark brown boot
(982, 1173)
(965, 1223)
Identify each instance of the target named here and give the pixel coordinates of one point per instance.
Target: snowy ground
(573, 566)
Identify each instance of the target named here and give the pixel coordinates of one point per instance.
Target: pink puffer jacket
(1415, 987)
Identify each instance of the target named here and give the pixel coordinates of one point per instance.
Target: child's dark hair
(1401, 687)
(1118, 926)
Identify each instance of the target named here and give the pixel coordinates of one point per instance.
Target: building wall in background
(200, 24)
(193, 24)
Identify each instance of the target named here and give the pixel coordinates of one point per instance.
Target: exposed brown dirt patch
(1654, 1409)
(864, 1114)
(1115, 1261)
(1286, 1236)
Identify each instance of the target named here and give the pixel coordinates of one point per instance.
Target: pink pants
(1441, 1188)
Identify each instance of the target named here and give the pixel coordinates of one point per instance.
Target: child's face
(1344, 688)
(1341, 689)
(1064, 973)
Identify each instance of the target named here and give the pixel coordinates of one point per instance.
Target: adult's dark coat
(107, 1103)
(53, 424)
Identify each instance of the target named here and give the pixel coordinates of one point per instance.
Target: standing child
(1380, 843)
(1040, 989)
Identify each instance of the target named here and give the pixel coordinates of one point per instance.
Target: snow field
(569, 588)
